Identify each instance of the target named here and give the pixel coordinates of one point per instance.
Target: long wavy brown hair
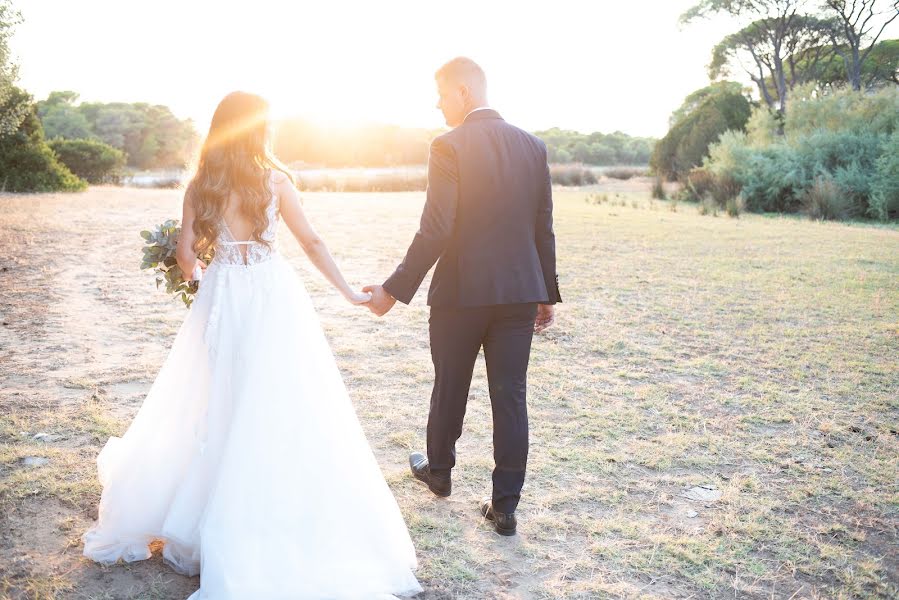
(236, 157)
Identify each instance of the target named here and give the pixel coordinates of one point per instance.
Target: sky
(600, 65)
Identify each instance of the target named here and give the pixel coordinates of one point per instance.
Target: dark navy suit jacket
(487, 220)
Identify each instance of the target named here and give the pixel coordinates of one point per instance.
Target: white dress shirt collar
(476, 109)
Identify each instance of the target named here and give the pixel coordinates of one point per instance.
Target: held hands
(358, 298)
(546, 316)
(381, 301)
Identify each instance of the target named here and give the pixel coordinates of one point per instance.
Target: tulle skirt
(247, 460)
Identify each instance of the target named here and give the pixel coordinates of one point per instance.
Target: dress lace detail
(227, 247)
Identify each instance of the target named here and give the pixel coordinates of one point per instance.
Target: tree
(55, 100)
(62, 119)
(882, 64)
(723, 107)
(777, 32)
(90, 159)
(777, 48)
(27, 164)
(149, 135)
(120, 125)
(878, 69)
(853, 24)
(14, 113)
(694, 99)
(774, 45)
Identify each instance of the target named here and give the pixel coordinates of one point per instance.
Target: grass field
(714, 415)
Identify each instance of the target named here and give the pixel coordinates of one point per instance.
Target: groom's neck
(474, 107)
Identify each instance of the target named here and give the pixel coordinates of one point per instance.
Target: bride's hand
(359, 297)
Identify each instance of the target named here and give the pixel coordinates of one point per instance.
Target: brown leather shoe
(503, 523)
(439, 484)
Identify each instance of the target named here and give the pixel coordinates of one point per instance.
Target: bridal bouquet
(159, 254)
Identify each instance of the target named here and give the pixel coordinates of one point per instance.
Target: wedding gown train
(246, 457)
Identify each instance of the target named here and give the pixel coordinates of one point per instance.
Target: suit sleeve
(545, 237)
(437, 223)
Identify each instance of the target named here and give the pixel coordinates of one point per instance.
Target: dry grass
(753, 355)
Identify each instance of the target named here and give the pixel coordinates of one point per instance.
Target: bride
(246, 458)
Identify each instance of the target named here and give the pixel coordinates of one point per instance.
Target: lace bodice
(228, 248)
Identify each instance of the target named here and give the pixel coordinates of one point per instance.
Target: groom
(488, 219)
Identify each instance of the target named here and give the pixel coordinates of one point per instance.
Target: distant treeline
(150, 136)
(299, 141)
(603, 149)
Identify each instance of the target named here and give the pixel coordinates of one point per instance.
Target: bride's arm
(185, 253)
(312, 244)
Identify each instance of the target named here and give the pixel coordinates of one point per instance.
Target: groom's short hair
(463, 70)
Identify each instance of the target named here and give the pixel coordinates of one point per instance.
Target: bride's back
(240, 226)
(236, 241)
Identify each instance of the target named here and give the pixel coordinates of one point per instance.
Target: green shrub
(761, 128)
(730, 155)
(772, 180)
(572, 175)
(698, 185)
(624, 173)
(27, 164)
(724, 189)
(775, 177)
(885, 187)
(842, 137)
(708, 207)
(91, 159)
(720, 108)
(826, 200)
(842, 109)
(363, 181)
(735, 205)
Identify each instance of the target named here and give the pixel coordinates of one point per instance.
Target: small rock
(46, 437)
(35, 461)
(703, 493)
(692, 514)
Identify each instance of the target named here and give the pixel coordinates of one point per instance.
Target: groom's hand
(546, 316)
(381, 301)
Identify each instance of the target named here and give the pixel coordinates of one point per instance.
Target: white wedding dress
(246, 457)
